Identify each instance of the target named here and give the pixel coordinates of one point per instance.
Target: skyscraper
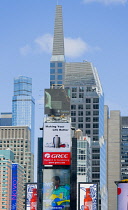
(23, 105)
(87, 98)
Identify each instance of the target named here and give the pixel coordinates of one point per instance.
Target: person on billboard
(60, 195)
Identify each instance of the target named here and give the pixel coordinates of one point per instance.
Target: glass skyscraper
(23, 105)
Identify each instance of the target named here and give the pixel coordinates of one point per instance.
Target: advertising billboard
(88, 196)
(122, 196)
(31, 196)
(56, 189)
(14, 187)
(57, 102)
(56, 144)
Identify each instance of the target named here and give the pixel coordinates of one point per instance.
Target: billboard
(56, 189)
(88, 196)
(57, 102)
(31, 196)
(122, 196)
(56, 144)
(14, 187)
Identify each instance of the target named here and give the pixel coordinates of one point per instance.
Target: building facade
(23, 105)
(6, 119)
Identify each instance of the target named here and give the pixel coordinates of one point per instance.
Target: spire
(58, 41)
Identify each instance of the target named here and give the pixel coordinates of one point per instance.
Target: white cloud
(25, 50)
(74, 47)
(107, 2)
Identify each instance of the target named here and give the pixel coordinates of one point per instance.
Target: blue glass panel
(52, 64)
(59, 82)
(52, 77)
(59, 77)
(59, 64)
(52, 71)
(59, 71)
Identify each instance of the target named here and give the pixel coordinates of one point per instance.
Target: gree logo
(47, 155)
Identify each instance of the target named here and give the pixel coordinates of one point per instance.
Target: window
(88, 89)
(74, 95)
(80, 113)
(80, 106)
(52, 64)
(95, 131)
(96, 106)
(95, 150)
(88, 106)
(59, 77)
(73, 106)
(96, 125)
(88, 119)
(88, 125)
(88, 100)
(52, 77)
(80, 119)
(59, 71)
(88, 132)
(52, 71)
(95, 119)
(95, 138)
(95, 112)
(88, 113)
(81, 95)
(95, 175)
(95, 100)
(81, 89)
(59, 82)
(59, 64)
(74, 89)
(73, 113)
(80, 125)
(73, 119)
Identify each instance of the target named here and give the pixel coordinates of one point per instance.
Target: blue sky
(96, 30)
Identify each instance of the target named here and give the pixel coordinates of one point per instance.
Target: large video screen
(88, 196)
(122, 197)
(57, 102)
(56, 144)
(31, 196)
(56, 189)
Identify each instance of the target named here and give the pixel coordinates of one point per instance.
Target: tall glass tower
(23, 105)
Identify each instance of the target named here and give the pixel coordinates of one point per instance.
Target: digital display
(14, 187)
(56, 189)
(57, 102)
(88, 196)
(122, 196)
(56, 144)
(31, 196)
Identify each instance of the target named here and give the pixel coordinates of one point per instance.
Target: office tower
(17, 138)
(84, 157)
(87, 99)
(57, 62)
(11, 181)
(6, 119)
(124, 147)
(23, 105)
(112, 135)
(6, 159)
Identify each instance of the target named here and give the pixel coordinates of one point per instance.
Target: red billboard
(56, 144)
(56, 158)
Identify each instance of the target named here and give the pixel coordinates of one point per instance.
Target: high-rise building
(87, 98)
(124, 147)
(6, 119)
(112, 136)
(23, 105)
(17, 138)
(11, 181)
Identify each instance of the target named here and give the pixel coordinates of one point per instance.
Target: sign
(88, 196)
(56, 144)
(57, 102)
(14, 187)
(122, 196)
(56, 189)
(31, 196)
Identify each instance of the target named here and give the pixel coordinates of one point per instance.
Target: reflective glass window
(52, 64)
(59, 71)
(59, 64)
(52, 71)
(59, 77)
(52, 77)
